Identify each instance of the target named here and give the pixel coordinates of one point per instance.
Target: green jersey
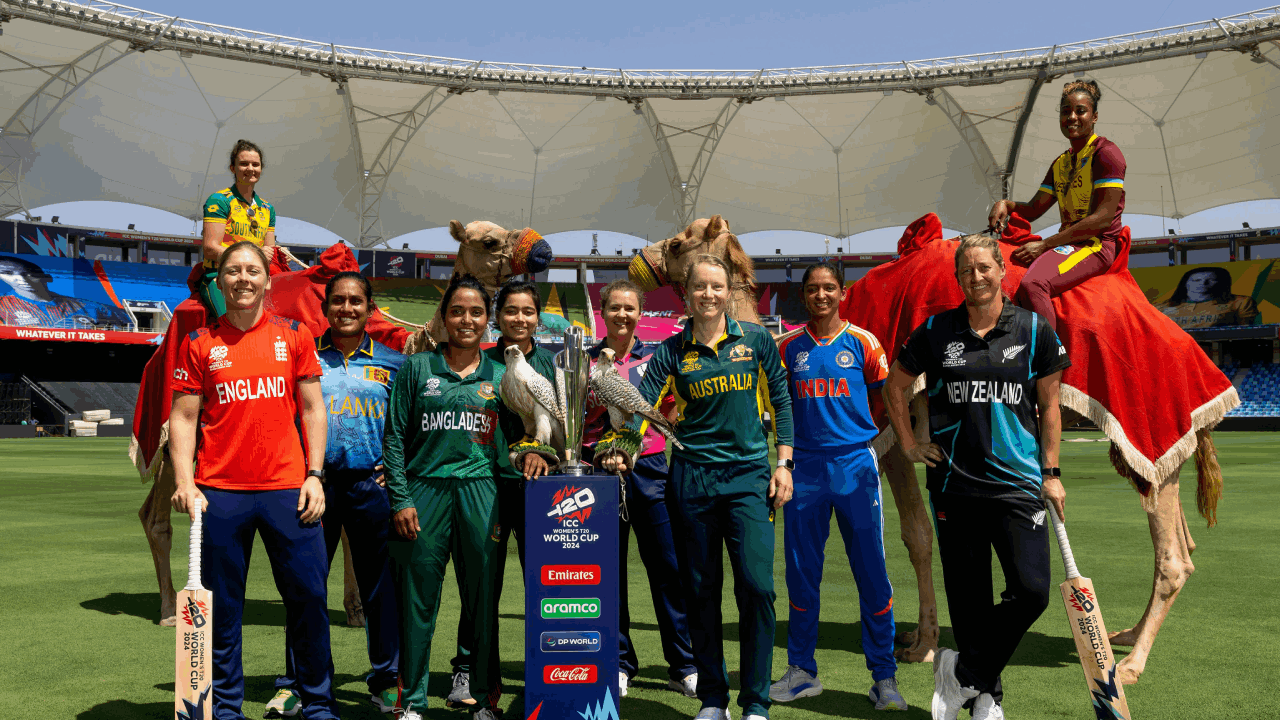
(510, 426)
(721, 393)
(440, 425)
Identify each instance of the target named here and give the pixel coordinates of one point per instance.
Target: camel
(485, 250)
(1156, 480)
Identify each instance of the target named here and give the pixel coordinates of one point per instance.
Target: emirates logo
(569, 674)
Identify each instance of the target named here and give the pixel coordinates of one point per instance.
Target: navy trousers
(296, 551)
(651, 521)
(352, 500)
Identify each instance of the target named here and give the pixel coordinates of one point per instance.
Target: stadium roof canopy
(106, 102)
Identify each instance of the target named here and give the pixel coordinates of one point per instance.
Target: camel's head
(667, 262)
(493, 254)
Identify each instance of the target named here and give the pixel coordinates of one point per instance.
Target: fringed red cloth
(295, 294)
(1134, 373)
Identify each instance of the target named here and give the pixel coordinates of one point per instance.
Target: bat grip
(193, 554)
(1068, 558)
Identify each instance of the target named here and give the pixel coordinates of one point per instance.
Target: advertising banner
(571, 598)
(1215, 294)
(94, 336)
(394, 264)
(69, 293)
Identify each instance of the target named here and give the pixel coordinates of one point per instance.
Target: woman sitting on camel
(1087, 182)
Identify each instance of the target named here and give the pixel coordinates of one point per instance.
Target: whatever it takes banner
(1215, 294)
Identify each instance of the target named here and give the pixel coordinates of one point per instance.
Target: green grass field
(79, 635)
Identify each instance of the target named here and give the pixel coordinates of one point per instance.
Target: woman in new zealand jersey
(233, 214)
(441, 461)
(994, 422)
(722, 493)
(1087, 183)
(518, 308)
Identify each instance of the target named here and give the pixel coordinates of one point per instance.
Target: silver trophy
(573, 365)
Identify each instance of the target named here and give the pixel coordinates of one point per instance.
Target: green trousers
(210, 295)
(459, 518)
(511, 520)
(725, 505)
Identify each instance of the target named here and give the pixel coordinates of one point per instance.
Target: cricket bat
(193, 675)
(1085, 618)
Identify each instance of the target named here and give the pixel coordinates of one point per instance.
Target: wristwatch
(1051, 472)
(319, 474)
(789, 464)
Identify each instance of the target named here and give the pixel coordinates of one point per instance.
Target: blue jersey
(356, 390)
(829, 379)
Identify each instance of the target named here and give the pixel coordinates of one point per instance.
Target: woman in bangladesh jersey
(722, 492)
(233, 214)
(441, 457)
(1087, 183)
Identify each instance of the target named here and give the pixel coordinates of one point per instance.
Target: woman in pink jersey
(1087, 183)
(240, 386)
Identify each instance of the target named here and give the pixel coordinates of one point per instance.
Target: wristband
(1051, 472)
(787, 464)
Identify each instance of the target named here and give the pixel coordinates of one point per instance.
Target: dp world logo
(566, 608)
(571, 641)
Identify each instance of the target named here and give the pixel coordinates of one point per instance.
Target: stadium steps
(77, 397)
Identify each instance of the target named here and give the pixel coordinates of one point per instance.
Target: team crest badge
(740, 353)
(218, 357)
(844, 359)
(382, 376)
(486, 391)
(282, 350)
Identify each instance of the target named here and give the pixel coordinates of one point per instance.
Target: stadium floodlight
(1245, 225)
(405, 246)
(777, 251)
(130, 226)
(54, 220)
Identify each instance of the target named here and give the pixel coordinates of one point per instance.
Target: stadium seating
(1260, 392)
(79, 397)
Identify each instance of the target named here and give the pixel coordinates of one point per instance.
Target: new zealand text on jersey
(723, 383)
(984, 391)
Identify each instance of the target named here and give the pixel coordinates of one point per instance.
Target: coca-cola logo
(563, 674)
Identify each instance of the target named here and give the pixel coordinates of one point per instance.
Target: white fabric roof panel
(566, 149)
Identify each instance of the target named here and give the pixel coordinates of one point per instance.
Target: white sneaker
(286, 703)
(687, 687)
(794, 684)
(713, 713)
(623, 680)
(948, 695)
(408, 714)
(985, 708)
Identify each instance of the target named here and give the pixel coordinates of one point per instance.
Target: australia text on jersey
(984, 391)
(723, 383)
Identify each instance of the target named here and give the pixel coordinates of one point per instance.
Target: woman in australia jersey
(441, 459)
(722, 492)
(621, 303)
(992, 464)
(833, 366)
(518, 308)
(246, 378)
(1087, 183)
(234, 214)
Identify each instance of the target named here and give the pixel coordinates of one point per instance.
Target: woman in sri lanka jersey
(233, 214)
(1087, 183)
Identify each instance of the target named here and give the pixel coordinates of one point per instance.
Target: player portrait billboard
(1215, 294)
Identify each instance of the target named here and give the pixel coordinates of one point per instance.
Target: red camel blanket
(295, 294)
(1134, 373)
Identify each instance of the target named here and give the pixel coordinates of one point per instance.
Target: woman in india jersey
(241, 385)
(1087, 183)
(993, 372)
(832, 366)
(441, 458)
(722, 493)
(518, 307)
(233, 214)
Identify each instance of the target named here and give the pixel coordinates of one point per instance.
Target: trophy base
(576, 471)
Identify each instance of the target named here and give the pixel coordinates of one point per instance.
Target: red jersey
(248, 436)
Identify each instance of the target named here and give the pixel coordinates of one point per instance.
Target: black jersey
(982, 399)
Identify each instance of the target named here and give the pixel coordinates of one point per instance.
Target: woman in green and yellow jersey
(722, 492)
(441, 458)
(233, 214)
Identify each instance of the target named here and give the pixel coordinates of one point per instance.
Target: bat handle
(1068, 558)
(193, 555)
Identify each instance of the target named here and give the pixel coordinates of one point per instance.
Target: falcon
(623, 400)
(534, 399)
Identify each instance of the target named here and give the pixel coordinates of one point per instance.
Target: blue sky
(667, 34)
